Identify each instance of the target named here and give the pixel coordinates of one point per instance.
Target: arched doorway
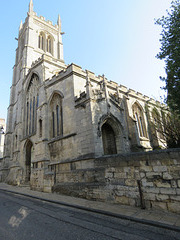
(109, 139)
(29, 149)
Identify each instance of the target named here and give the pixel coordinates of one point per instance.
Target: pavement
(157, 218)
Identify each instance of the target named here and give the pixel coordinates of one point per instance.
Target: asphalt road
(23, 218)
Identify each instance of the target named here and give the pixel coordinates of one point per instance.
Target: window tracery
(41, 41)
(49, 44)
(45, 43)
(56, 117)
(139, 117)
(31, 105)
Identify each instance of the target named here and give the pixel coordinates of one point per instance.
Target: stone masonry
(147, 180)
(65, 124)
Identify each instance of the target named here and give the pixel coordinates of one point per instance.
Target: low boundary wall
(146, 179)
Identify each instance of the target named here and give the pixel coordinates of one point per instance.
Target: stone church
(61, 113)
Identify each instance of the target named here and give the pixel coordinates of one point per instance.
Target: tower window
(41, 41)
(49, 44)
(45, 43)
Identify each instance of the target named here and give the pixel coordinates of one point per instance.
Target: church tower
(39, 56)
(62, 118)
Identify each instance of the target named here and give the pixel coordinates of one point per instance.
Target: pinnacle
(31, 6)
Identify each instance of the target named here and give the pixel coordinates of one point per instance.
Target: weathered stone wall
(89, 105)
(150, 180)
(41, 179)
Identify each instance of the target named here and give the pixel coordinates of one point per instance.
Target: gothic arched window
(31, 105)
(139, 117)
(49, 44)
(41, 41)
(56, 118)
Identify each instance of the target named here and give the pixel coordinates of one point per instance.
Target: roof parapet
(123, 88)
(113, 83)
(77, 69)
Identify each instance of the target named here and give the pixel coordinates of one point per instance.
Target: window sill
(45, 52)
(144, 139)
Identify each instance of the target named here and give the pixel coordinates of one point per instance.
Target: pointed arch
(139, 105)
(41, 41)
(111, 132)
(138, 115)
(31, 100)
(108, 139)
(56, 114)
(55, 92)
(29, 79)
(49, 44)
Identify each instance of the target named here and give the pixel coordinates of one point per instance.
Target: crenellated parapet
(97, 81)
(41, 18)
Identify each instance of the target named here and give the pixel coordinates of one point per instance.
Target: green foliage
(170, 52)
(165, 128)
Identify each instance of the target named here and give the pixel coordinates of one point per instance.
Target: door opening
(109, 139)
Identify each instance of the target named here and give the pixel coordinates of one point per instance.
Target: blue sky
(117, 38)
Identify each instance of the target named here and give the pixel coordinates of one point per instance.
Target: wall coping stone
(85, 157)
